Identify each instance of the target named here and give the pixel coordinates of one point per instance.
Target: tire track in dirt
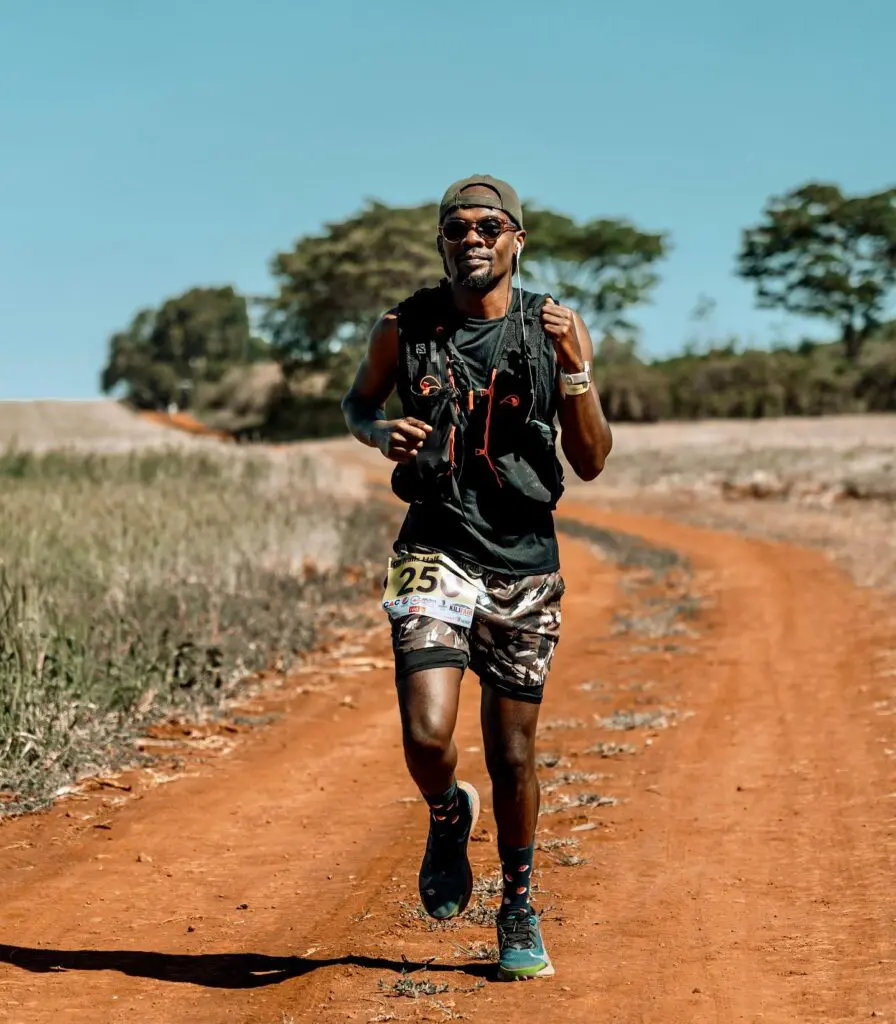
(745, 873)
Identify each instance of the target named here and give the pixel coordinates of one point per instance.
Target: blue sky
(149, 146)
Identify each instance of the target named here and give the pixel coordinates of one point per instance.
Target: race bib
(424, 583)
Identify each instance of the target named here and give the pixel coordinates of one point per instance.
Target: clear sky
(150, 145)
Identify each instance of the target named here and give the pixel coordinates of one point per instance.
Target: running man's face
(477, 243)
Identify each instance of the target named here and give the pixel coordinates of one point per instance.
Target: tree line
(815, 252)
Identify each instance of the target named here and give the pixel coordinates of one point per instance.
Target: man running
(482, 371)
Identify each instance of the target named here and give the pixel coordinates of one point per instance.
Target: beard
(478, 280)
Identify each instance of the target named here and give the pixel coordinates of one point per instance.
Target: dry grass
(568, 803)
(607, 750)
(134, 585)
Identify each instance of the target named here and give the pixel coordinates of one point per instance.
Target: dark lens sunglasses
(489, 229)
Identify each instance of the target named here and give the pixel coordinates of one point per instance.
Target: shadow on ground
(211, 970)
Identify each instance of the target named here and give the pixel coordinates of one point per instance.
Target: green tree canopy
(820, 253)
(193, 338)
(601, 267)
(332, 287)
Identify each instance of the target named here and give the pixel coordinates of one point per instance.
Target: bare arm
(364, 403)
(585, 435)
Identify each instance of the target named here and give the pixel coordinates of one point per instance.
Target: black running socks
(516, 869)
(450, 812)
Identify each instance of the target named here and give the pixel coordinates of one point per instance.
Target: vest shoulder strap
(419, 318)
(532, 303)
(540, 353)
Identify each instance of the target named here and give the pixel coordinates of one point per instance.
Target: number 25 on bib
(432, 585)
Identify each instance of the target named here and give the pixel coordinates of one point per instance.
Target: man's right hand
(400, 440)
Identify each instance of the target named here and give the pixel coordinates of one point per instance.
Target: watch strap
(575, 383)
(583, 377)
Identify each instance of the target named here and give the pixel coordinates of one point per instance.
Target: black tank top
(488, 526)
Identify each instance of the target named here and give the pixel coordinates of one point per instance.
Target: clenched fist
(400, 440)
(560, 326)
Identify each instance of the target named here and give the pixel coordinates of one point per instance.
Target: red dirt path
(745, 875)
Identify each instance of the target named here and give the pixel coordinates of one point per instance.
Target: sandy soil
(743, 873)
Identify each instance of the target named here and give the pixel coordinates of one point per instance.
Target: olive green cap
(482, 190)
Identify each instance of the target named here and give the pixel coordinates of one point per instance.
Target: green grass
(134, 586)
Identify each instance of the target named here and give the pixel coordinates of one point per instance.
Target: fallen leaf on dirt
(112, 784)
(149, 741)
(368, 663)
(587, 827)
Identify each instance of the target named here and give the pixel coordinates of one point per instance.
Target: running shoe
(446, 878)
(521, 952)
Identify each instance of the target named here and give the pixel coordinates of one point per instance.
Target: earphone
(519, 249)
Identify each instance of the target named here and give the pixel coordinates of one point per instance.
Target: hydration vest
(501, 436)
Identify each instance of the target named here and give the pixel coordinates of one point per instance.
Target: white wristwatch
(575, 383)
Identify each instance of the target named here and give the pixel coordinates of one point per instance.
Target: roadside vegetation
(134, 586)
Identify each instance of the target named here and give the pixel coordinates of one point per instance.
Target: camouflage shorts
(510, 645)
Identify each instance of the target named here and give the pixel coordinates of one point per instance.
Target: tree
(191, 339)
(602, 267)
(819, 253)
(332, 287)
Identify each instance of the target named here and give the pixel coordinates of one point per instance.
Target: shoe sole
(472, 793)
(545, 972)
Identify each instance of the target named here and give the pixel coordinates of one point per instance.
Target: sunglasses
(489, 229)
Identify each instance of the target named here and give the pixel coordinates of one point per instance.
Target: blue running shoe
(446, 878)
(520, 947)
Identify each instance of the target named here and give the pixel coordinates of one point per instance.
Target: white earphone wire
(526, 356)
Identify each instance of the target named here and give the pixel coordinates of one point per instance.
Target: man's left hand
(560, 326)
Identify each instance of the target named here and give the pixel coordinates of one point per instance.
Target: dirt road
(744, 873)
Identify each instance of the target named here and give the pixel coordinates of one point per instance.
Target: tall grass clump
(134, 586)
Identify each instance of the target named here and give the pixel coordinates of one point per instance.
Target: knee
(427, 736)
(511, 757)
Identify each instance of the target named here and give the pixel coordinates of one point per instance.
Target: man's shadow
(212, 970)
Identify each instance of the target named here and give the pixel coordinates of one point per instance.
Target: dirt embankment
(99, 425)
